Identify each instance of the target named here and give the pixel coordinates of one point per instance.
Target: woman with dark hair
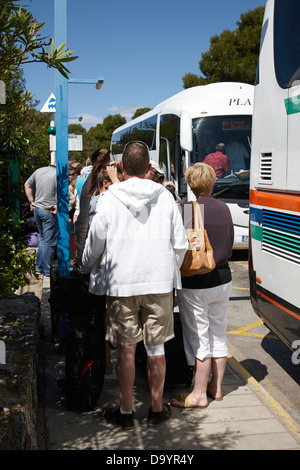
(100, 156)
(102, 177)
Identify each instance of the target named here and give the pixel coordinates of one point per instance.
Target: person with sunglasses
(155, 173)
(141, 233)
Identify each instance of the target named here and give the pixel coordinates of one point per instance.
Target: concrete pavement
(248, 418)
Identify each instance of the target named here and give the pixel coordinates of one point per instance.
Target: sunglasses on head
(139, 142)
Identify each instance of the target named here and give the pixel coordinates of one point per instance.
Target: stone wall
(19, 332)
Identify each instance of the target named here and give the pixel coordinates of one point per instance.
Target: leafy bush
(15, 263)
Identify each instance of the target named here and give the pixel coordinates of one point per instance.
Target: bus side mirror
(186, 133)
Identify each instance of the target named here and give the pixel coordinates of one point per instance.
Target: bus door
(287, 60)
(293, 116)
(164, 157)
(180, 167)
(169, 147)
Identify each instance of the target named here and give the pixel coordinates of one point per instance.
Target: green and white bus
(274, 261)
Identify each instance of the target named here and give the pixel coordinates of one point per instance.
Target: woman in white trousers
(203, 299)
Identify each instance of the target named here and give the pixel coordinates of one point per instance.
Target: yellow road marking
(253, 335)
(243, 329)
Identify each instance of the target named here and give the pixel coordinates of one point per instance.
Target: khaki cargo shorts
(143, 317)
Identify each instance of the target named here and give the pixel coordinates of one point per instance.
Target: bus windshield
(234, 132)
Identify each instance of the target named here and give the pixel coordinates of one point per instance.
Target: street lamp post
(92, 81)
(77, 118)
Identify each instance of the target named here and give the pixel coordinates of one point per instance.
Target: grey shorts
(143, 317)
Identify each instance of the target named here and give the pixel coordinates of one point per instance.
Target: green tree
(100, 135)
(21, 138)
(140, 111)
(36, 153)
(233, 55)
(15, 264)
(77, 129)
(21, 41)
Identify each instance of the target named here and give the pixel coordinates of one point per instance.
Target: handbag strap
(198, 221)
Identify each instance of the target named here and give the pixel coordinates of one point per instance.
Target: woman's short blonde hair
(201, 179)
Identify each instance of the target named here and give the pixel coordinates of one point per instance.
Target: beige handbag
(199, 258)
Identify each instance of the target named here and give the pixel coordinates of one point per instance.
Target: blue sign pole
(62, 171)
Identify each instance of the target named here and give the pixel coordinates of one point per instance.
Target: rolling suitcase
(83, 337)
(177, 370)
(66, 294)
(85, 357)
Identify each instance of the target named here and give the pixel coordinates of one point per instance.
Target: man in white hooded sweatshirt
(139, 234)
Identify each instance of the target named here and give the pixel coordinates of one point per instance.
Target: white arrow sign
(50, 105)
(2, 92)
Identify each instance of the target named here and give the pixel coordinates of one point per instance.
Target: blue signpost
(62, 171)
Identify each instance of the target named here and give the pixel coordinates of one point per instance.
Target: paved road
(266, 358)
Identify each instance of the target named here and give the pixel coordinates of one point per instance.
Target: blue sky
(142, 49)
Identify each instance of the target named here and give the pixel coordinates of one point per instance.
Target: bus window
(235, 133)
(287, 42)
(144, 131)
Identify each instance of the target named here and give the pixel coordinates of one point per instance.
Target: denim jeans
(47, 227)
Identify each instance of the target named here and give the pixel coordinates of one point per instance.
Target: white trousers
(203, 315)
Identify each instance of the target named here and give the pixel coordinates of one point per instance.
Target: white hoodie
(138, 234)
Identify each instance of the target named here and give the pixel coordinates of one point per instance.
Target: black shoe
(155, 418)
(117, 418)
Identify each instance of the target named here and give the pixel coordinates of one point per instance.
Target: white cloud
(125, 111)
(88, 121)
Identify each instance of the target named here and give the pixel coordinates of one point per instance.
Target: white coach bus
(186, 127)
(274, 264)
